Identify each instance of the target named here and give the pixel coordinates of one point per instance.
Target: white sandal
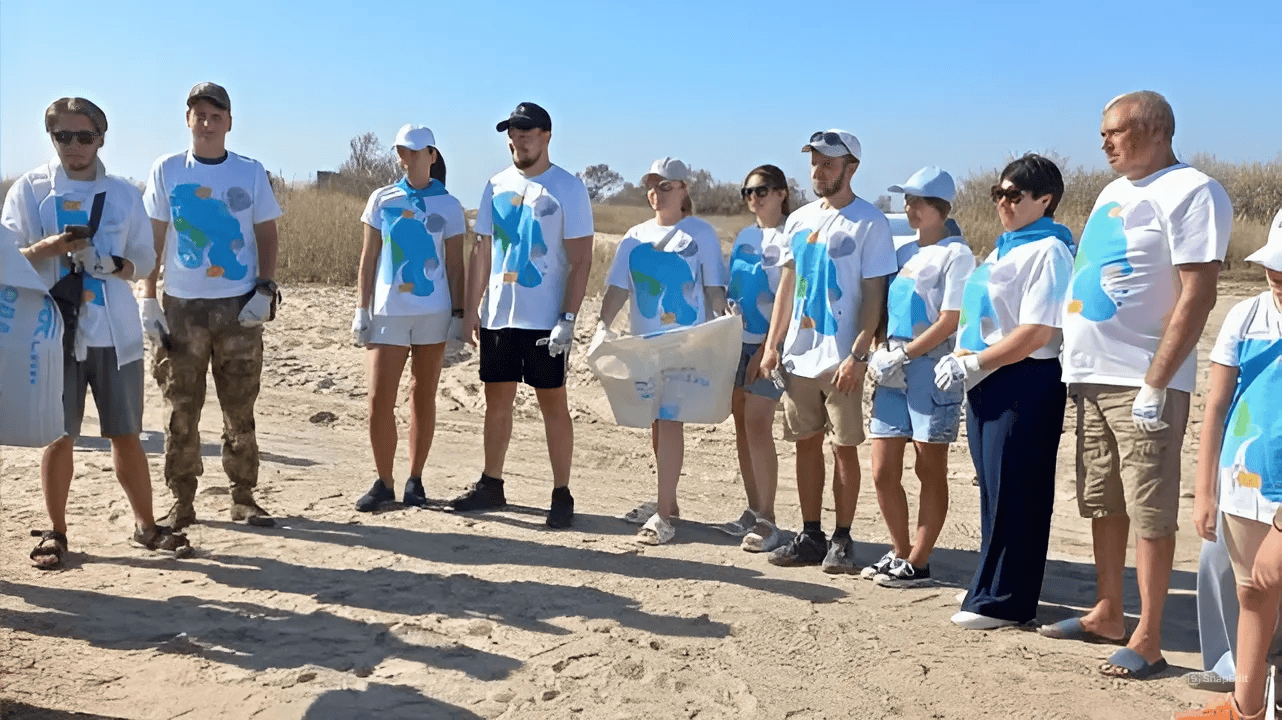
(639, 514)
(656, 531)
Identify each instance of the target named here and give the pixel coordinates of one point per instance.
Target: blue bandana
(1043, 227)
(416, 195)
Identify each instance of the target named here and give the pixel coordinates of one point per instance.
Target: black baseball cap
(526, 116)
(215, 94)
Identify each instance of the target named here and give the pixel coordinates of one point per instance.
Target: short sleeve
(877, 257)
(713, 264)
(155, 199)
(266, 208)
(17, 214)
(1225, 350)
(619, 275)
(455, 221)
(1200, 226)
(960, 265)
(576, 207)
(371, 215)
(1046, 290)
(140, 245)
(484, 224)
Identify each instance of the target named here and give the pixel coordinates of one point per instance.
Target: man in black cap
(213, 216)
(526, 280)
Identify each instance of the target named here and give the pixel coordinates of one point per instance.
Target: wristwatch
(860, 358)
(457, 312)
(569, 316)
(267, 287)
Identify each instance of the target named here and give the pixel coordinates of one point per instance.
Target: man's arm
(871, 308)
(159, 229)
(1197, 298)
(578, 252)
(268, 241)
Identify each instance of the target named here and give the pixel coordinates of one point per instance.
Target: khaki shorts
(811, 406)
(1122, 470)
(1243, 537)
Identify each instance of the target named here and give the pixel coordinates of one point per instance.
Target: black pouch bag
(68, 292)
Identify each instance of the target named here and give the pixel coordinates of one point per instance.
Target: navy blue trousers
(1014, 423)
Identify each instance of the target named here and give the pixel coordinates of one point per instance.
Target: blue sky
(722, 85)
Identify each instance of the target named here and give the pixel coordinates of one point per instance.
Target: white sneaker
(656, 531)
(763, 537)
(975, 621)
(740, 527)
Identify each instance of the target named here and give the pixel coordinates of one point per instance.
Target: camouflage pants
(205, 332)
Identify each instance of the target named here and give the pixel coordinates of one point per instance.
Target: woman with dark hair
(1007, 359)
(411, 299)
(754, 278)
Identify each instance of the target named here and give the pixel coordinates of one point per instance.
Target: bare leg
(56, 469)
(845, 487)
(1255, 627)
(1153, 560)
(134, 476)
(887, 477)
(669, 438)
(425, 374)
(498, 425)
(559, 429)
(759, 418)
(810, 476)
(1110, 536)
(384, 365)
(932, 506)
(744, 448)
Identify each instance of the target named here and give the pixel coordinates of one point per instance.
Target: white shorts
(406, 330)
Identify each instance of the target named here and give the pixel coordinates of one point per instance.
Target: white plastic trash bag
(685, 375)
(30, 353)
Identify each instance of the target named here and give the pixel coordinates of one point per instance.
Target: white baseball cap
(928, 182)
(415, 137)
(834, 143)
(668, 168)
(1270, 256)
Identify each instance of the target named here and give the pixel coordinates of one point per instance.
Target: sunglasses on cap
(758, 190)
(84, 137)
(1011, 194)
(829, 138)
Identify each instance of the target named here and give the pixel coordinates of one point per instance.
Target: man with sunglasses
(1143, 284)
(213, 217)
(838, 252)
(526, 279)
(82, 228)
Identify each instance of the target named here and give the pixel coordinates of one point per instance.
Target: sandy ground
(420, 614)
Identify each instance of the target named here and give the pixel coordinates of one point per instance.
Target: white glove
(560, 338)
(257, 311)
(953, 369)
(603, 335)
(153, 319)
(887, 368)
(455, 330)
(1147, 409)
(362, 325)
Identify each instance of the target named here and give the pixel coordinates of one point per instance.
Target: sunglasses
(1011, 194)
(759, 190)
(829, 138)
(84, 137)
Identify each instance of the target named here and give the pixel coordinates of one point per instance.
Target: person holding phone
(74, 221)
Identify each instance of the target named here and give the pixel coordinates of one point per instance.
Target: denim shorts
(762, 386)
(922, 412)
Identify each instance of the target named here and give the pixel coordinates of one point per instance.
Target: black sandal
(50, 551)
(162, 538)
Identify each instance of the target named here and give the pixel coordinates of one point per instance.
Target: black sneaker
(803, 550)
(414, 495)
(561, 514)
(377, 495)
(904, 575)
(485, 494)
(880, 567)
(840, 559)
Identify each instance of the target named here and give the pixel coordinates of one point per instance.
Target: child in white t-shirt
(411, 287)
(1241, 453)
(924, 307)
(671, 269)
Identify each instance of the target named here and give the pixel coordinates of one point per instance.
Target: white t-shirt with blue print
(832, 251)
(665, 284)
(210, 249)
(931, 280)
(1028, 286)
(527, 221)
(1125, 282)
(754, 277)
(1251, 455)
(414, 224)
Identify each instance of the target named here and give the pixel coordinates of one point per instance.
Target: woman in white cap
(754, 278)
(924, 306)
(1239, 474)
(410, 298)
(671, 269)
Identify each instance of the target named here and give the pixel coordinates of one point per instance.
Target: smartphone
(79, 232)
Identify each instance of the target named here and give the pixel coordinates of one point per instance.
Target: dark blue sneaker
(377, 495)
(803, 550)
(561, 514)
(414, 495)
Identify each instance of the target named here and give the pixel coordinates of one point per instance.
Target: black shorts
(510, 355)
